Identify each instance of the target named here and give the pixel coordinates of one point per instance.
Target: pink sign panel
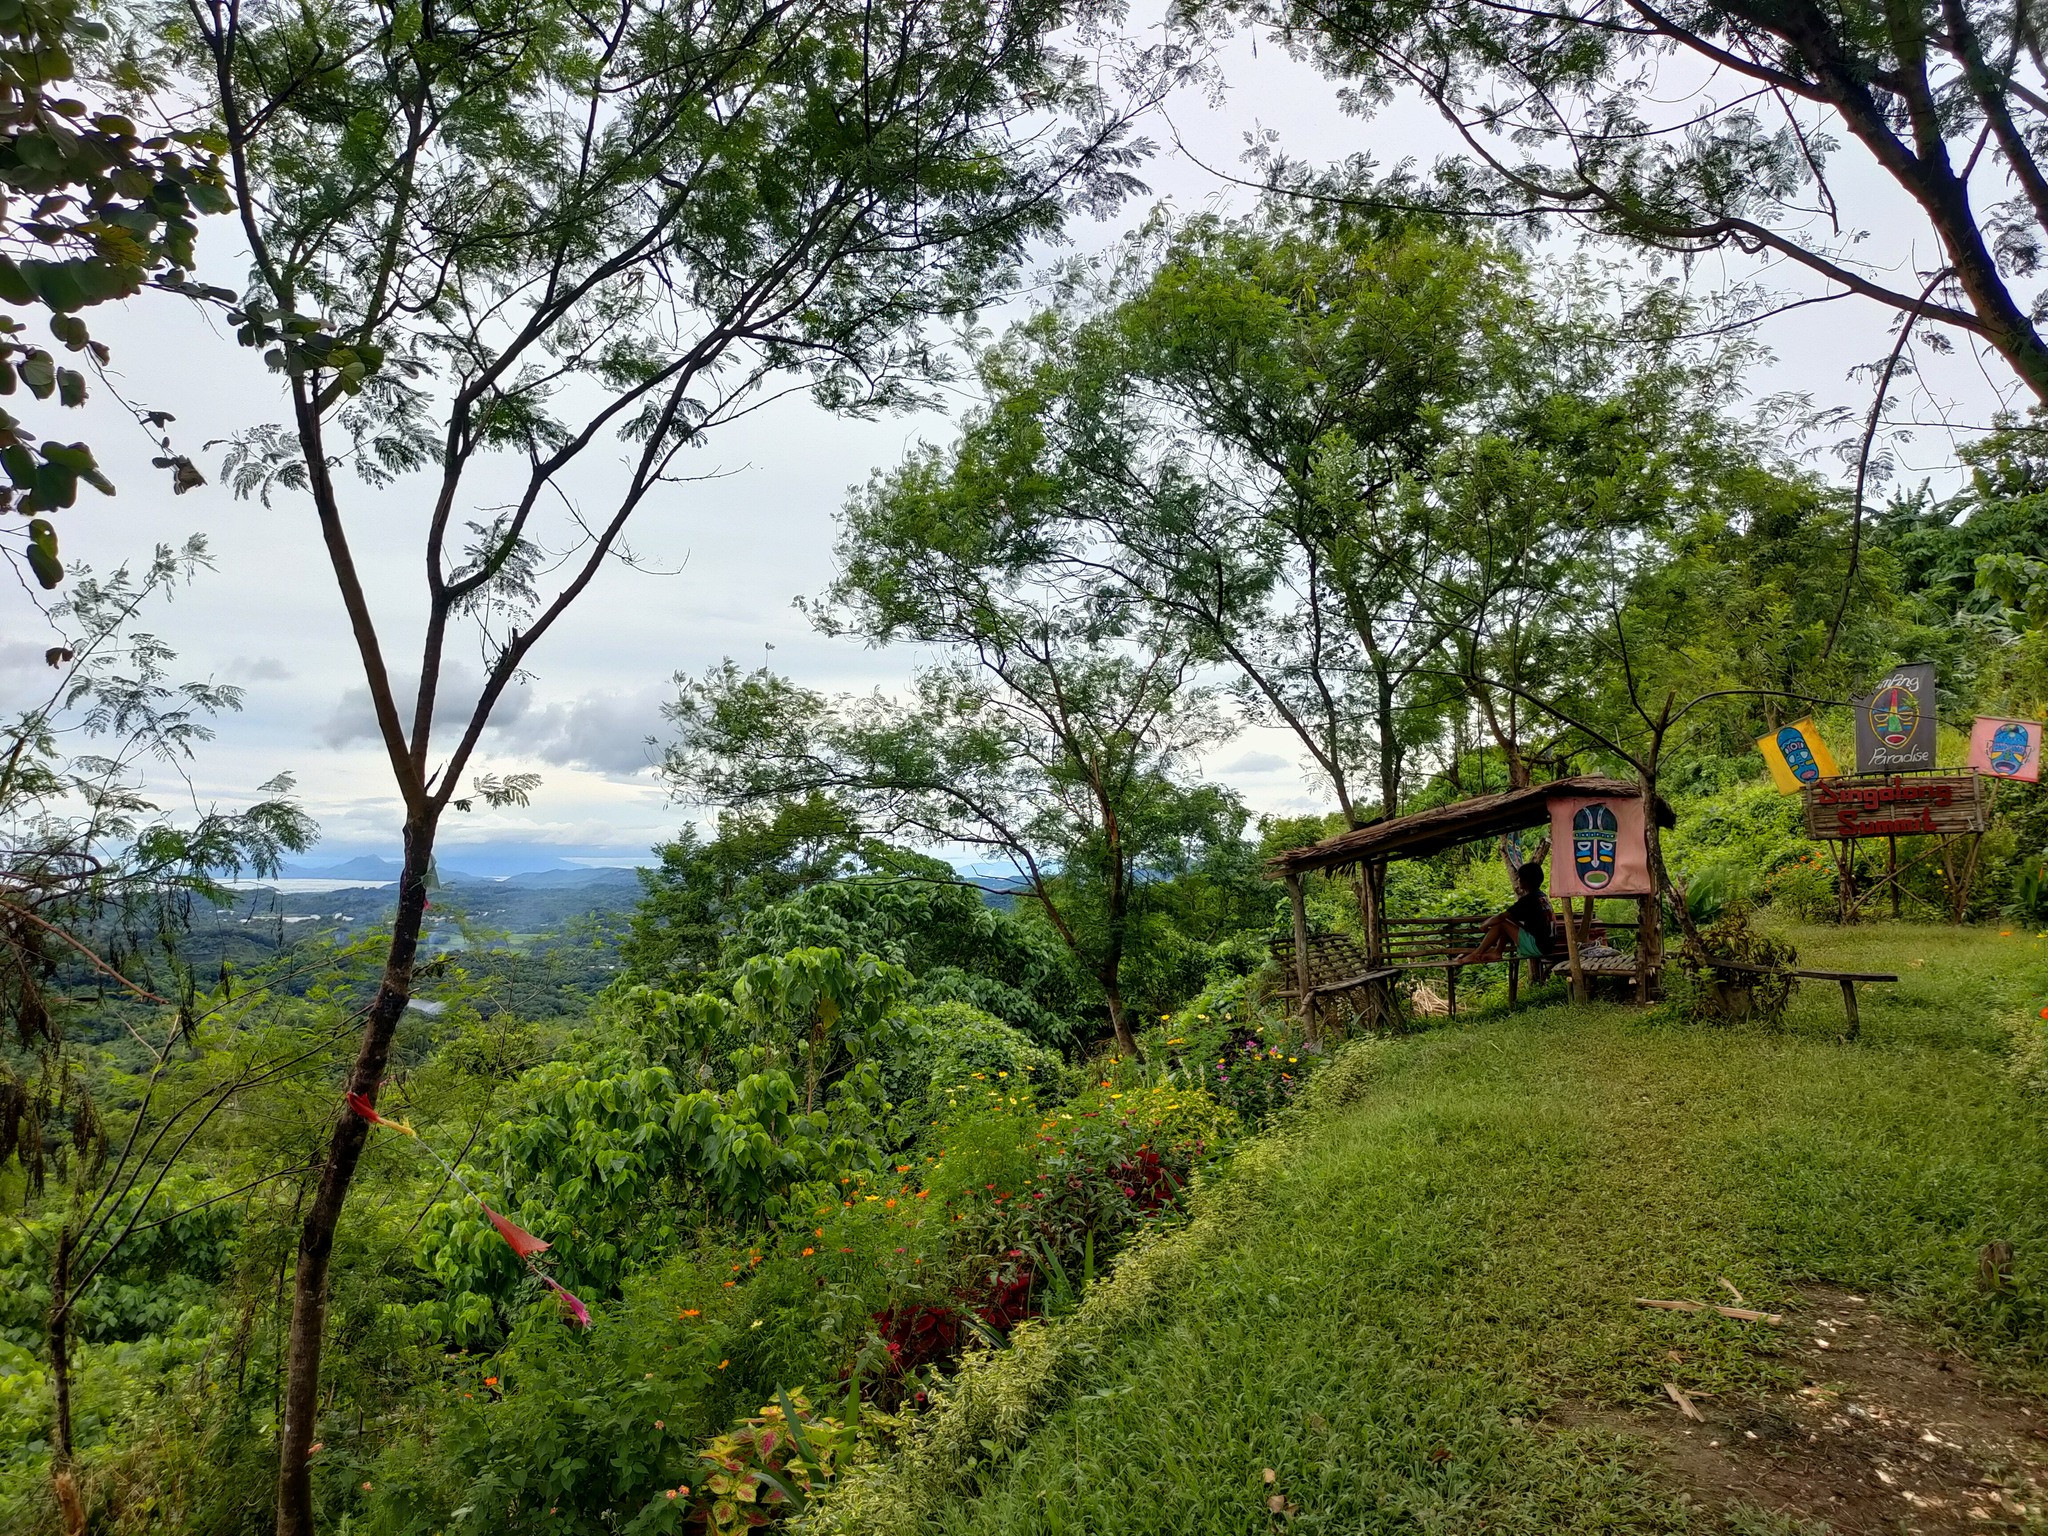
(2006, 749)
(1597, 847)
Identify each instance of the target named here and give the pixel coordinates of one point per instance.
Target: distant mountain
(366, 867)
(372, 870)
(570, 878)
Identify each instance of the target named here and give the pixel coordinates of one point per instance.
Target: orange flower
(690, 1312)
(889, 1205)
(809, 1251)
(490, 1381)
(730, 1284)
(723, 1364)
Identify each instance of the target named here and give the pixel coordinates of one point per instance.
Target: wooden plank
(1677, 1395)
(1301, 980)
(1779, 970)
(1571, 950)
(1740, 1314)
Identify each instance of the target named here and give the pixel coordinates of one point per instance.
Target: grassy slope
(1442, 1261)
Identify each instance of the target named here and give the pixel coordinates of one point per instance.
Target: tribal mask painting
(1599, 846)
(1894, 716)
(2010, 744)
(1593, 845)
(1798, 756)
(2006, 749)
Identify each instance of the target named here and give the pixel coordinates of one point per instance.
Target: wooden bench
(1847, 979)
(1338, 971)
(1440, 943)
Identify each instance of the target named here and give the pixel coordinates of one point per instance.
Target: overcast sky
(724, 557)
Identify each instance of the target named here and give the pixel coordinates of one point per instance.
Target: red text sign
(1894, 805)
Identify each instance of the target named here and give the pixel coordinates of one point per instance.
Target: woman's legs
(1498, 938)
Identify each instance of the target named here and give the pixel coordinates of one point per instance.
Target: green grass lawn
(1400, 1295)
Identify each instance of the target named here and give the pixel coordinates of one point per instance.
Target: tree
(1947, 98)
(1328, 452)
(700, 892)
(1051, 750)
(512, 233)
(94, 211)
(86, 853)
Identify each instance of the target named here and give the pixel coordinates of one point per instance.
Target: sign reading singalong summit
(1935, 803)
(1895, 725)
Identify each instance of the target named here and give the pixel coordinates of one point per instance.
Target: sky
(723, 559)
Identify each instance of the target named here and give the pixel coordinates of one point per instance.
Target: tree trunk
(63, 1483)
(1119, 1016)
(1659, 875)
(1390, 747)
(344, 1151)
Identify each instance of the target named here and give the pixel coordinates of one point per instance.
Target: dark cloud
(602, 732)
(259, 669)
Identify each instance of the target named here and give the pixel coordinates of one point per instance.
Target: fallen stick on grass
(1741, 1314)
(1677, 1395)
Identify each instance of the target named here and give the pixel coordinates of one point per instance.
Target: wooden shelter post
(1571, 950)
(1299, 906)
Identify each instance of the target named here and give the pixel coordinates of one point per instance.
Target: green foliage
(958, 1046)
(1705, 993)
(1488, 1197)
(96, 209)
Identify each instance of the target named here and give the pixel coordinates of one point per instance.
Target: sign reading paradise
(1881, 805)
(1895, 725)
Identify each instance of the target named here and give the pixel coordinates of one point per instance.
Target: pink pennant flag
(570, 1304)
(523, 1242)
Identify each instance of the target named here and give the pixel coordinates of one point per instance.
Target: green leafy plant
(770, 1465)
(1707, 993)
(95, 209)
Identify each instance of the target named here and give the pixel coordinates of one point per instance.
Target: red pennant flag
(360, 1103)
(523, 1242)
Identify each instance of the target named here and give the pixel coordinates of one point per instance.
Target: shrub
(1704, 993)
(961, 1047)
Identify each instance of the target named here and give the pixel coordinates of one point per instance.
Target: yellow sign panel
(1797, 756)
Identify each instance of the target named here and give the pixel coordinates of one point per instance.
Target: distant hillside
(264, 919)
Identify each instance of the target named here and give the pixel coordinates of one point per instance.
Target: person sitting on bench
(1524, 929)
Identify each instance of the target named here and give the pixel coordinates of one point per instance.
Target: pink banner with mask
(2006, 749)
(1597, 847)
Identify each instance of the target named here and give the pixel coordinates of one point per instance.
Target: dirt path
(1885, 1436)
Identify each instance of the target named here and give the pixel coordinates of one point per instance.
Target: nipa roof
(1423, 833)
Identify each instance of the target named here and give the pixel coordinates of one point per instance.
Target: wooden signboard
(1894, 805)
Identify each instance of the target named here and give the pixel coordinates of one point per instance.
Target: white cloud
(1257, 762)
(355, 719)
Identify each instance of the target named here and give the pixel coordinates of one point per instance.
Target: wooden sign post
(1948, 807)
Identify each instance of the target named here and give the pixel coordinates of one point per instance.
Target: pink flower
(570, 1304)
(523, 1242)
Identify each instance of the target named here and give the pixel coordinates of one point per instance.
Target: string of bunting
(517, 1238)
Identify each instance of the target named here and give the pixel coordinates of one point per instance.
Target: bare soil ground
(1884, 1436)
